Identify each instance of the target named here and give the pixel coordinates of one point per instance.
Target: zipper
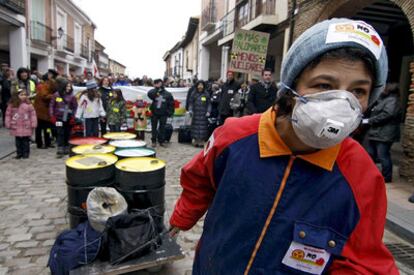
(270, 216)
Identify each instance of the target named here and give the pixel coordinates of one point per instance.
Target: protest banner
(249, 52)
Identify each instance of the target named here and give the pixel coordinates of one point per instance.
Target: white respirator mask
(325, 119)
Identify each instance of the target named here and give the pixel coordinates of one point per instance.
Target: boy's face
(351, 76)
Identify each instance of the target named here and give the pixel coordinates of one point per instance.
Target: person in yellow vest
(23, 81)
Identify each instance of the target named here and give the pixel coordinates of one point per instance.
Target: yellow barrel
(93, 149)
(120, 135)
(140, 164)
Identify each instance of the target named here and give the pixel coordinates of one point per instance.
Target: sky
(137, 33)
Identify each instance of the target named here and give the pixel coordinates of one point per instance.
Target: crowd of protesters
(47, 106)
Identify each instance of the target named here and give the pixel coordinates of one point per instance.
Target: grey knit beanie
(333, 34)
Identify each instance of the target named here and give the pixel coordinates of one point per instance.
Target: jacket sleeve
(102, 112)
(190, 102)
(123, 113)
(52, 106)
(8, 116)
(198, 192)
(152, 94)
(209, 104)
(251, 99)
(81, 107)
(386, 114)
(74, 105)
(33, 117)
(364, 251)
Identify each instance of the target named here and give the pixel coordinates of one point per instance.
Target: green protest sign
(249, 52)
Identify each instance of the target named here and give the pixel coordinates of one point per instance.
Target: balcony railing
(228, 22)
(245, 12)
(40, 32)
(260, 7)
(66, 43)
(209, 16)
(14, 5)
(85, 51)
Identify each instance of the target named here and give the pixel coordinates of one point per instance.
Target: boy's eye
(358, 92)
(323, 86)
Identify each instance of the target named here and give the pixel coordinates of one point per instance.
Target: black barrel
(142, 183)
(90, 170)
(84, 173)
(140, 173)
(142, 199)
(77, 195)
(76, 216)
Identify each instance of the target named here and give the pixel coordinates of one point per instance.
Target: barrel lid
(120, 135)
(93, 149)
(135, 152)
(87, 140)
(140, 164)
(91, 161)
(127, 143)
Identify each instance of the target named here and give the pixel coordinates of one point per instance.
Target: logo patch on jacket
(306, 258)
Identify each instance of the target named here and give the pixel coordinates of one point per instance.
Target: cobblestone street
(33, 206)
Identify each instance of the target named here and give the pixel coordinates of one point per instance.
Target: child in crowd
(62, 108)
(140, 118)
(21, 120)
(91, 109)
(116, 111)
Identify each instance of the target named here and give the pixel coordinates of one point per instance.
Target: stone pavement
(400, 214)
(33, 210)
(7, 146)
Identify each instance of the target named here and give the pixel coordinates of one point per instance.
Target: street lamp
(61, 32)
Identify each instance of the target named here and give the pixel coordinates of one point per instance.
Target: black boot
(60, 152)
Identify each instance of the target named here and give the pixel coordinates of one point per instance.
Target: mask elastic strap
(301, 98)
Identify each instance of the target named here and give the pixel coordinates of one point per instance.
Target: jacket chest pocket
(313, 249)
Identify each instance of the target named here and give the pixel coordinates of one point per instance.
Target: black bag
(129, 236)
(168, 132)
(184, 134)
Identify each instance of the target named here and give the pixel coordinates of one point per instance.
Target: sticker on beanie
(358, 32)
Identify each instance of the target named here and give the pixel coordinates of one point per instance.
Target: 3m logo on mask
(331, 128)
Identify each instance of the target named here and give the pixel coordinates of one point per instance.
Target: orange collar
(272, 145)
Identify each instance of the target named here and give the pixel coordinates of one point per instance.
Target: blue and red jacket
(260, 198)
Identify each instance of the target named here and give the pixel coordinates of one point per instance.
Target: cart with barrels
(130, 167)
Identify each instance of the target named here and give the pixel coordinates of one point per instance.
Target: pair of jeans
(102, 124)
(158, 133)
(42, 133)
(114, 128)
(63, 134)
(92, 127)
(380, 151)
(23, 146)
(140, 135)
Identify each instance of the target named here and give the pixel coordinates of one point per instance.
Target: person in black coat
(105, 91)
(5, 92)
(384, 122)
(200, 108)
(190, 92)
(262, 95)
(229, 89)
(161, 108)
